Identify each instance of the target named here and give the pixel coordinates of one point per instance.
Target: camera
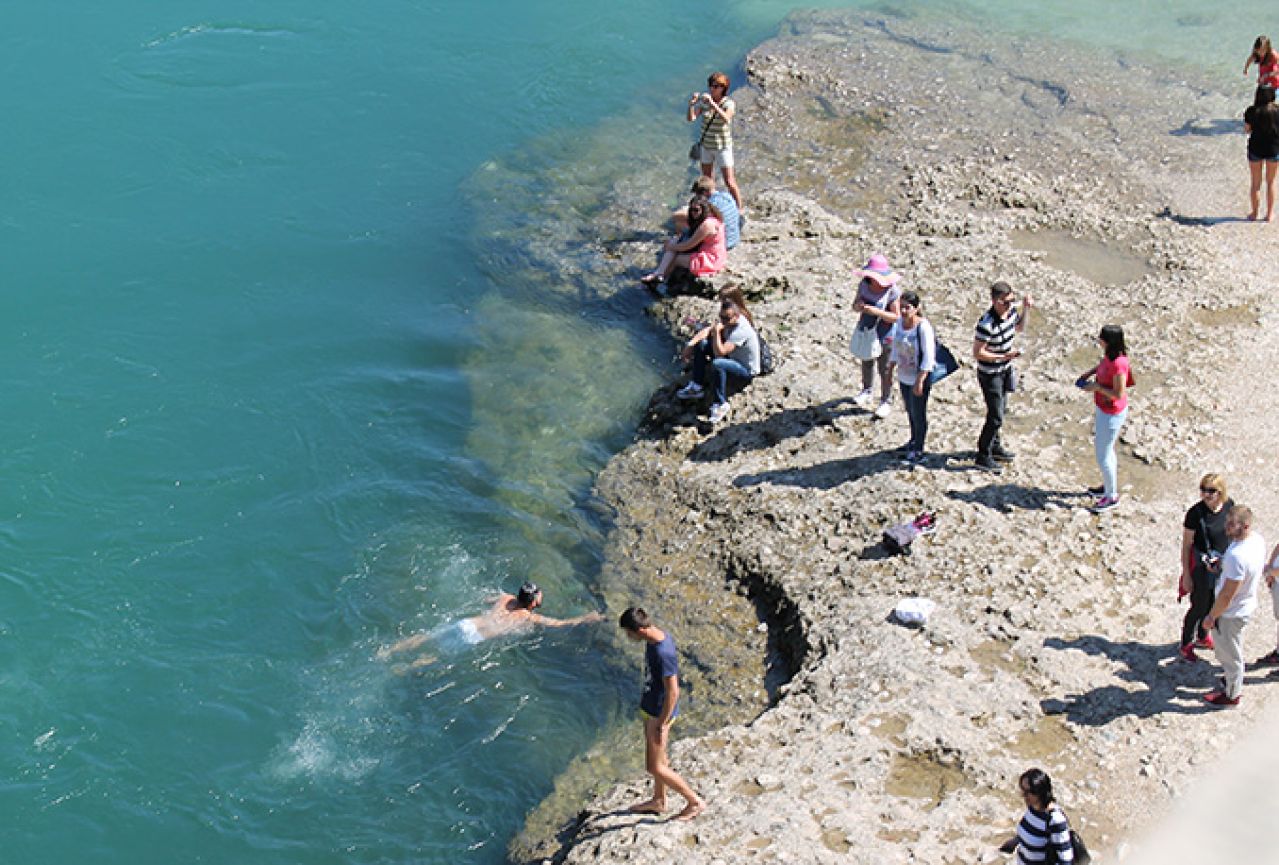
(1210, 560)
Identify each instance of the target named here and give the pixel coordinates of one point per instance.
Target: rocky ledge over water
(965, 160)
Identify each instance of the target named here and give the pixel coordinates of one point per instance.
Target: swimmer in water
(508, 615)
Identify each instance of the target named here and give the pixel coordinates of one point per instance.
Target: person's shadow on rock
(1208, 128)
(788, 423)
(1006, 498)
(1170, 686)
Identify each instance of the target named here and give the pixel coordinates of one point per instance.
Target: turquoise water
(265, 411)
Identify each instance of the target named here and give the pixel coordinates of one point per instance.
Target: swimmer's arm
(548, 622)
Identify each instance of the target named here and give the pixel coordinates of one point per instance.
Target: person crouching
(730, 348)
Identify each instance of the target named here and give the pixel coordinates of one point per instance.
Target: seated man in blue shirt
(723, 202)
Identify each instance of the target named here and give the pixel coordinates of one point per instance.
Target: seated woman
(703, 253)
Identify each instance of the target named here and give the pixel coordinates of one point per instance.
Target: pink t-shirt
(1108, 373)
(712, 254)
(1268, 71)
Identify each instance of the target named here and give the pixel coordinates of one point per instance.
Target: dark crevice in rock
(788, 646)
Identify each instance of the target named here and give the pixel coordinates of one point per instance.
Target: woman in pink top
(1267, 62)
(1108, 382)
(702, 251)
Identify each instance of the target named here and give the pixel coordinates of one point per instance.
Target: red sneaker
(1187, 653)
(1220, 700)
(1205, 642)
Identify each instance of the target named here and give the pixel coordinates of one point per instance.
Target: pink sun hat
(878, 270)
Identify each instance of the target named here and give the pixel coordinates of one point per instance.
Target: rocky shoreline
(1053, 639)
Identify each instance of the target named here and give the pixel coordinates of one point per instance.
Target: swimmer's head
(529, 596)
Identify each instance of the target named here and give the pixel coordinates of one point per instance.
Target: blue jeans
(1105, 433)
(917, 412)
(721, 368)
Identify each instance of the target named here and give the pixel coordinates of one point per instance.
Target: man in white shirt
(1241, 569)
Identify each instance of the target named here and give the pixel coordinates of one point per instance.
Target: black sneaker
(988, 464)
(1097, 491)
(1270, 659)
(1004, 456)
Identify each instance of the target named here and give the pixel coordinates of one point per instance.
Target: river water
(280, 387)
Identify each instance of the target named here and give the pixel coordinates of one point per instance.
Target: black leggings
(1201, 597)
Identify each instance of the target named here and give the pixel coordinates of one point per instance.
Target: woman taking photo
(703, 252)
(878, 305)
(1203, 541)
(1108, 382)
(914, 354)
(1261, 122)
(716, 143)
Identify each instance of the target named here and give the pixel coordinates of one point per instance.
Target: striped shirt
(998, 334)
(717, 133)
(1039, 830)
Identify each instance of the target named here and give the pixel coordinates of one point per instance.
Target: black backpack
(767, 362)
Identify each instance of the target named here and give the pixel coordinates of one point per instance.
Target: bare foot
(1252, 217)
(652, 806)
(691, 810)
(1270, 217)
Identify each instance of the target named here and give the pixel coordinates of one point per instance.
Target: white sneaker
(719, 411)
(692, 390)
(863, 399)
(884, 408)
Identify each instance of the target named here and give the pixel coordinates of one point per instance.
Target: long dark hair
(1113, 336)
(733, 293)
(1038, 784)
(1261, 50)
(707, 209)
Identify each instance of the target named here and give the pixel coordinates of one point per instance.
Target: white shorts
(456, 636)
(717, 158)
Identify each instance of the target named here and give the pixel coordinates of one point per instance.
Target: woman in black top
(1261, 122)
(1203, 541)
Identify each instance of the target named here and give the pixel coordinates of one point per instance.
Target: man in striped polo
(994, 352)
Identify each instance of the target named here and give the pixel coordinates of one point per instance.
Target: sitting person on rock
(730, 347)
(722, 201)
(702, 253)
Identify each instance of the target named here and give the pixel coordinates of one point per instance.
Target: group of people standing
(1223, 564)
(893, 338)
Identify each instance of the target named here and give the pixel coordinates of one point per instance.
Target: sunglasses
(1209, 491)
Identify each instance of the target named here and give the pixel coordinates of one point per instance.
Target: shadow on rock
(1006, 498)
(828, 475)
(1197, 221)
(587, 827)
(764, 434)
(1206, 128)
(1170, 687)
(824, 476)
